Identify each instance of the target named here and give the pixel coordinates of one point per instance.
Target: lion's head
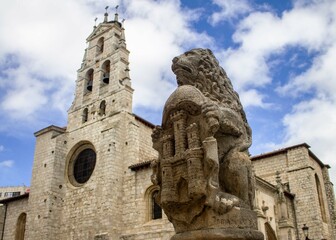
(199, 68)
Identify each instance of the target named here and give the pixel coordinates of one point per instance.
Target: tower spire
(95, 24)
(122, 41)
(106, 14)
(116, 13)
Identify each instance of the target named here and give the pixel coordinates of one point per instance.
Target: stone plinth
(219, 234)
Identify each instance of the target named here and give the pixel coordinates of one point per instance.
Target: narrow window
(102, 108)
(106, 72)
(156, 209)
(89, 80)
(270, 233)
(85, 115)
(15, 194)
(100, 45)
(20, 227)
(320, 198)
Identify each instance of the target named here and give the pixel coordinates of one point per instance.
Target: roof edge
(141, 165)
(312, 155)
(281, 150)
(144, 121)
(11, 199)
(50, 128)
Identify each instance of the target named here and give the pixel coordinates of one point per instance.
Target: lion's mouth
(180, 67)
(185, 68)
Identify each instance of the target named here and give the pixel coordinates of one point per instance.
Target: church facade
(92, 179)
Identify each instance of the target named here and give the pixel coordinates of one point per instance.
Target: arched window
(156, 209)
(20, 227)
(320, 198)
(85, 115)
(106, 71)
(102, 108)
(89, 80)
(270, 233)
(100, 45)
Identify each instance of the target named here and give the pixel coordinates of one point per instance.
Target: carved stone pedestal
(220, 234)
(237, 224)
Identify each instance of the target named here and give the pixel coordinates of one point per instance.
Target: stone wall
(137, 188)
(97, 203)
(45, 198)
(300, 169)
(266, 168)
(330, 199)
(137, 209)
(13, 212)
(112, 201)
(2, 218)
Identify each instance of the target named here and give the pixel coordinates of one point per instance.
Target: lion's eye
(175, 59)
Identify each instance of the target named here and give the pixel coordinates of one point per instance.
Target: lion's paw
(224, 204)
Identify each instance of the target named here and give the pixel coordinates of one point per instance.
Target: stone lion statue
(204, 170)
(200, 68)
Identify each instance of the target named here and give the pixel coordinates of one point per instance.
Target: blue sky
(279, 55)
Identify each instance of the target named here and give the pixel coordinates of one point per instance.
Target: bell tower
(82, 186)
(103, 85)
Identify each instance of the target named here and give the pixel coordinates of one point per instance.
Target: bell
(89, 86)
(106, 78)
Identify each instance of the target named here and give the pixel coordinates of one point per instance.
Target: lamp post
(305, 230)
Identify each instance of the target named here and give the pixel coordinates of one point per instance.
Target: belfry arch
(106, 71)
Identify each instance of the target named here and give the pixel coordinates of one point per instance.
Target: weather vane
(106, 8)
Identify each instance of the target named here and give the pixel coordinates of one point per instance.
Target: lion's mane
(199, 68)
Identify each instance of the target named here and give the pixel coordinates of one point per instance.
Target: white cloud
(25, 93)
(39, 56)
(2, 148)
(252, 98)
(262, 35)
(318, 78)
(230, 9)
(164, 32)
(255, 73)
(314, 122)
(39, 68)
(6, 164)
